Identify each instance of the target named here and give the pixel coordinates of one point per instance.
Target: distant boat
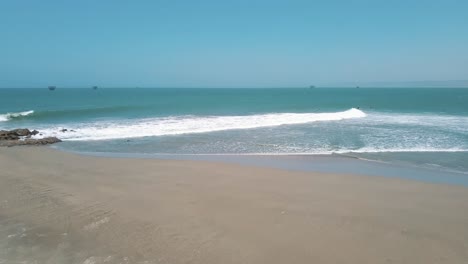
(52, 88)
(95, 87)
(357, 87)
(312, 87)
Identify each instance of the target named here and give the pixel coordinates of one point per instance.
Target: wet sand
(58, 207)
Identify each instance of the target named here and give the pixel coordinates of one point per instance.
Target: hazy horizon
(408, 84)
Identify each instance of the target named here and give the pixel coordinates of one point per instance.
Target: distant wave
(192, 124)
(10, 116)
(68, 114)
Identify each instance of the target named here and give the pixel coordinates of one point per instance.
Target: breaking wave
(191, 124)
(10, 116)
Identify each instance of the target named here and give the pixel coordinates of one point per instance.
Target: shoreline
(59, 207)
(321, 163)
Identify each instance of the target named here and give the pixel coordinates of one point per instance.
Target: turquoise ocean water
(419, 127)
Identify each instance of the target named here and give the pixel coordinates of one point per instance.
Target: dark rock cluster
(22, 136)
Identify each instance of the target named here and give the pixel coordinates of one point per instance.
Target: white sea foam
(324, 151)
(191, 124)
(305, 152)
(9, 116)
(455, 123)
(394, 150)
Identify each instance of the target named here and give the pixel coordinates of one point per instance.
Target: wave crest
(191, 124)
(9, 116)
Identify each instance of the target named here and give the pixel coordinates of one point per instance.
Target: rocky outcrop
(22, 132)
(16, 134)
(8, 135)
(22, 136)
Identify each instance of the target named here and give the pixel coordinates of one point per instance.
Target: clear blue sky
(241, 43)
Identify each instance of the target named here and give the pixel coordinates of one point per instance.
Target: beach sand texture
(58, 207)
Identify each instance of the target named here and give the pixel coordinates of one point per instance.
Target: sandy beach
(58, 207)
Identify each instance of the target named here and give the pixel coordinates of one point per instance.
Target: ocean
(411, 126)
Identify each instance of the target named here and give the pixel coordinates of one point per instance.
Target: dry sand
(59, 207)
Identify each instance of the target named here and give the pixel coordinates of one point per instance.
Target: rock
(21, 132)
(8, 135)
(30, 141)
(41, 141)
(22, 136)
(16, 133)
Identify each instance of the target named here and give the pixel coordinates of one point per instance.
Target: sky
(241, 43)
